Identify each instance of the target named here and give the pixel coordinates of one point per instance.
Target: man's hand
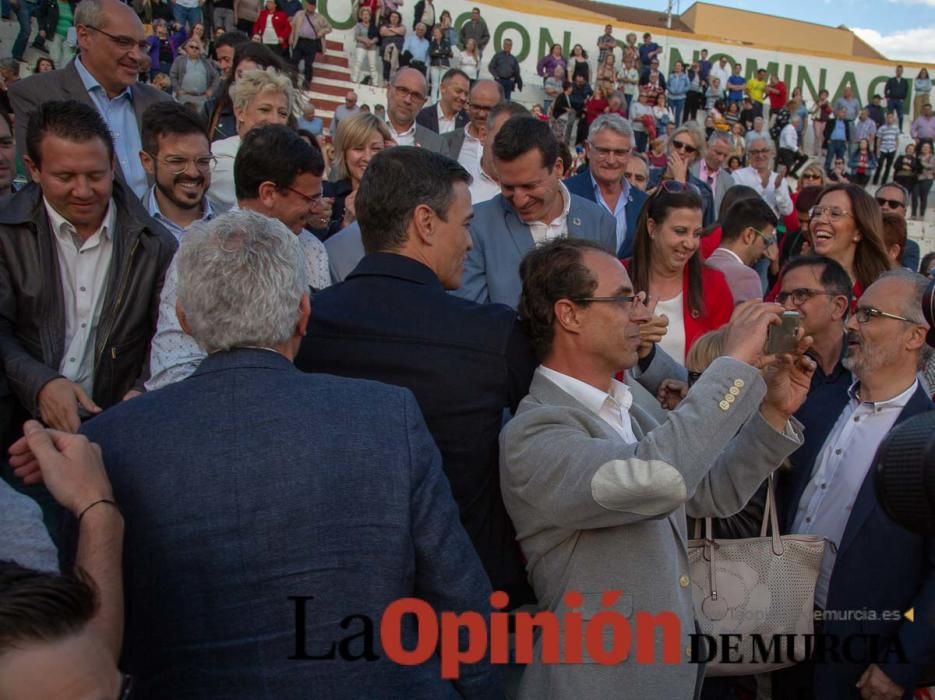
(58, 404)
(874, 684)
(671, 392)
(132, 394)
(70, 465)
(788, 380)
(745, 335)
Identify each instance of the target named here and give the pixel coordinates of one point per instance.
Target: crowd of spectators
(261, 379)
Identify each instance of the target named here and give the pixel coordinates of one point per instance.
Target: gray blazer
(724, 182)
(345, 250)
(453, 142)
(501, 239)
(65, 84)
(596, 514)
(428, 139)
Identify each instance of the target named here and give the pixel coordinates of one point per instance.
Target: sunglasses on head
(676, 187)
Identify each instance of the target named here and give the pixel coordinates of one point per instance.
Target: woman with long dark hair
(667, 265)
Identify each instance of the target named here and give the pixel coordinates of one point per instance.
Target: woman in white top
(258, 97)
(469, 59)
(628, 80)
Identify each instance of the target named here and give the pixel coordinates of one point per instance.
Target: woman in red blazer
(667, 265)
(272, 28)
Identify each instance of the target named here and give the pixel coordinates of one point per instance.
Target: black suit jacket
(391, 320)
(428, 117)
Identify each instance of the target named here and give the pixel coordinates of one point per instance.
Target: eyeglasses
(758, 151)
(801, 295)
(769, 240)
(811, 176)
(682, 146)
(891, 203)
(124, 43)
(865, 313)
(126, 687)
(178, 165)
(311, 199)
(834, 213)
(622, 300)
(479, 107)
(404, 92)
(605, 152)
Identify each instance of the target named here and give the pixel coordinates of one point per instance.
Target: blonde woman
(258, 97)
(358, 139)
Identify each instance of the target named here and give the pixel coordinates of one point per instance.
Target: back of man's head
(752, 213)
(68, 120)
(520, 135)
(273, 153)
(232, 38)
(513, 109)
(385, 210)
(167, 118)
(242, 277)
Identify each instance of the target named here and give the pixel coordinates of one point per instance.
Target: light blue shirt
(152, 206)
(619, 212)
(121, 119)
(419, 48)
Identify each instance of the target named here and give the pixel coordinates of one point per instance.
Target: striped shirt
(889, 138)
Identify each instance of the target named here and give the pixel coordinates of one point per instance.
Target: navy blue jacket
(391, 320)
(582, 186)
(879, 567)
(250, 482)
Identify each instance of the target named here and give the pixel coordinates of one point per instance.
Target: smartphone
(785, 336)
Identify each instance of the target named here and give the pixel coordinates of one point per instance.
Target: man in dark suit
(610, 141)
(448, 113)
(278, 531)
(831, 493)
(112, 44)
(392, 321)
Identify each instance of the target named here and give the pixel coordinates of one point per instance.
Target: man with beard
(177, 155)
(832, 495)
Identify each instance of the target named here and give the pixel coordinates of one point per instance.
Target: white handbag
(762, 588)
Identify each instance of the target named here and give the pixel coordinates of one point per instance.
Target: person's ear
(568, 316)
(839, 307)
(183, 322)
(32, 168)
(267, 193)
(148, 162)
(651, 227)
(423, 223)
(558, 167)
(305, 313)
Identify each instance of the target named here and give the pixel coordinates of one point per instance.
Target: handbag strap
(771, 519)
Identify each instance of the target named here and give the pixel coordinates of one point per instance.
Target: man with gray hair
(609, 145)
(112, 47)
(829, 491)
(710, 168)
(235, 485)
(770, 185)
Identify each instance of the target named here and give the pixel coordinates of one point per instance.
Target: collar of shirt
(618, 400)
(467, 132)
(899, 401)
(441, 116)
(731, 253)
(91, 83)
(152, 206)
(707, 175)
(566, 200)
(411, 131)
(624, 193)
(66, 232)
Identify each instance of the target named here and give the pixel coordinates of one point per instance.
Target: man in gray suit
(112, 44)
(598, 501)
(405, 96)
(533, 207)
(711, 170)
(466, 145)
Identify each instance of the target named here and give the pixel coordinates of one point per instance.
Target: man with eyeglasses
(893, 197)
(748, 234)
(829, 491)
(112, 46)
(177, 155)
(609, 147)
(404, 100)
(466, 145)
(598, 490)
(277, 174)
(770, 185)
(83, 264)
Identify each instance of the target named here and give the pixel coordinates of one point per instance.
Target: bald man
(112, 44)
(466, 145)
(405, 98)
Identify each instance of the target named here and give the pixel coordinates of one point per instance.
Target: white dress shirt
(406, 138)
(83, 267)
(174, 354)
(779, 199)
(221, 193)
(673, 342)
(612, 408)
(471, 150)
(789, 137)
(839, 472)
(543, 232)
(445, 125)
(483, 187)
